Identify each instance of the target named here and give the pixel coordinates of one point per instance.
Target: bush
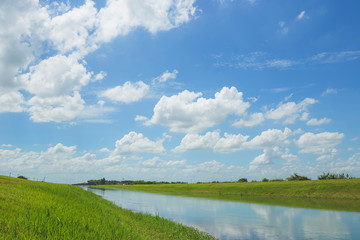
(277, 180)
(296, 177)
(22, 177)
(265, 180)
(242, 180)
(326, 176)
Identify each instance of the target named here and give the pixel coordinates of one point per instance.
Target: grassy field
(342, 194)
(37, 210)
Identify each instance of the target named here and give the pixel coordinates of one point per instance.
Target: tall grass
(36, 210)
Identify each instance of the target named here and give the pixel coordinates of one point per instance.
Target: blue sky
(179, 90)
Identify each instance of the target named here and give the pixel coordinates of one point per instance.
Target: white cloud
(270, 138)
(128, 93)
(193, 141)
(11, 102)
(230, 143)
(119, 17)
(156, 162)
(188, 112)
(55, 109)
(212, 141)
(140, 118)
(61, 150)
(71, 30)
(133, 143)
(65, 35)
(320, 143)
(301, 15)
(250, 121)
(266, 158)
(56, 76)
(329, 91)
(165, 76)
(290, 110)
(334, 57)
(304, 116)
(317, 122)
(22, 26)
(261, 60)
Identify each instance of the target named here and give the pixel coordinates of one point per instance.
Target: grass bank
(37, 210)
(342, 194)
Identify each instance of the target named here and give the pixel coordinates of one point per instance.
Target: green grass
(37, 210)
(341, 194)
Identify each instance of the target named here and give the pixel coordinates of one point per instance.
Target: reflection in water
(238, 220)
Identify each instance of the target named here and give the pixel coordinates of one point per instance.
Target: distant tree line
(293, 177)
(296, 177)
(103, 181)
(326, 176)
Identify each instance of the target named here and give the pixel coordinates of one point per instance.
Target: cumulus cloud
(189, 112)
(320, 143)
(119, 17)
(55, 109)
(266, 158)
(128, 93)
(165, 76)
(290, 110)
(43, 46)
(157, 162)
(251, 120)
(317, 122)
(193, 141)
(133, 143)
(72, 30)
(212, 141)
(270, 139)
(230, 143)
(56, 76)
(24, 25)
(11, 102)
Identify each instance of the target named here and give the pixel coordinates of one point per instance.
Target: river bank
(38, 210)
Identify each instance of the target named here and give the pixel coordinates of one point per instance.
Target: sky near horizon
(179, 90)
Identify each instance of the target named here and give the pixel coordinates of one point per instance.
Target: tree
(242, 180)
(296, 177)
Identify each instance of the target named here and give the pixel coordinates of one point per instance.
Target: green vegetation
(296, 177)
(103, 181)
(242, 180)
(38, 210)
(341, 194)
(22, 177)
(327, 176)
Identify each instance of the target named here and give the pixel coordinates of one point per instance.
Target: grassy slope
(36, 210)
(325, 194)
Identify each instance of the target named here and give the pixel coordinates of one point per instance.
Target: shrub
(265, 180)
(277, 180)
(326, 176)
(242, 180)
(22, 177)
(296, 177)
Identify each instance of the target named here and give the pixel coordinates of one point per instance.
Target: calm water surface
(238, 220)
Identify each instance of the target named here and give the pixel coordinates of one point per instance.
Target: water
(238, 220)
